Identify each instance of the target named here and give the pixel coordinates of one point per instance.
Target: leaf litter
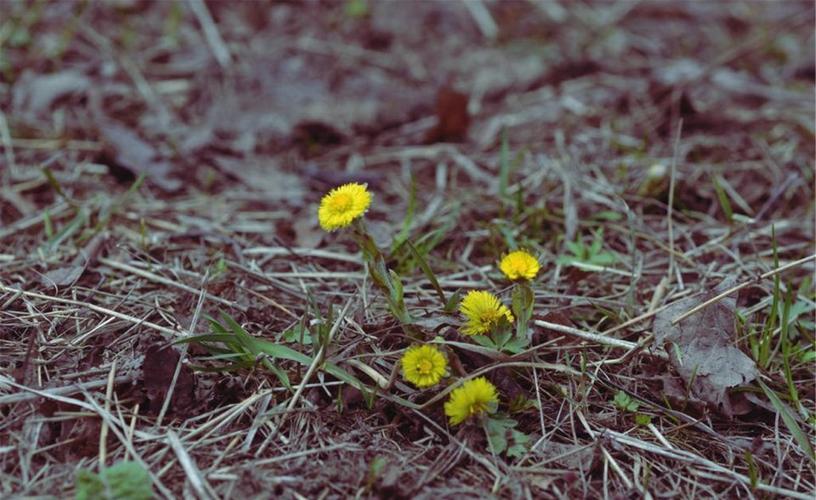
(702, 348)
(315, 97)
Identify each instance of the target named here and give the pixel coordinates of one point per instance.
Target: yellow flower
(474, 397)
(482, 310)
(519, 265)
(423, 365)
(342, 205)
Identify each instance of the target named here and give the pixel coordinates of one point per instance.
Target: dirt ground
(161, 165)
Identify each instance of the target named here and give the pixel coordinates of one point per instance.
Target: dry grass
(98, 268)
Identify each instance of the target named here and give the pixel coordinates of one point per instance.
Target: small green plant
(502, 338)
(625, 402)
(231, 345)
(298, 333)
(356, 8)
(588, 256)
(722, 196)
(504, 438)
(123, 481)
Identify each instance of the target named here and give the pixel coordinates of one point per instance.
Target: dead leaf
(157, 374)
(63, 276)
(307, 234)
(137, 155)
(701, 348)
(262, 176)
(452, 118)
(68, 275)
(35, 94)
(679, 72)
(570, 456)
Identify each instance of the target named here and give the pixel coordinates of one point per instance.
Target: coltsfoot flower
(482, 310)
(519, 265)
(474, 397)
(342, 205)
(424, 365)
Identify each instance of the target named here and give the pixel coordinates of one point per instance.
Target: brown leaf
(452, 118)
(572, 457)
(137, 155)
(68, 275)
(34, 94)
(63, 276)
(701, 348)
(158, 368)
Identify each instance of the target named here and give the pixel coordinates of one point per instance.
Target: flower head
(474, 397)
(519, 265)
(342, 205)
(423, 365)
(482, 310)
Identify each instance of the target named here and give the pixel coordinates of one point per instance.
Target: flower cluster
(426, 365)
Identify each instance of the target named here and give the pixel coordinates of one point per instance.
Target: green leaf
(206, 337)
(790, 421)
(504, 166)
(298, 333)
(607, 215)
(502, 332)
(402, 237)
(603, 259)
(520, 444)
(395, 283)
(725, 203)
(497, 428)
(753, 470)
(522, 303)
(423, 264)
(516, 345)
(66, 232)
(484, 341)
(250, 347)
(123, 481)
(625, 402)
(280, 351)
(597, 243)
(503, 437)
(808, 356)
(453, 302)
(356, 8)
(577, 248)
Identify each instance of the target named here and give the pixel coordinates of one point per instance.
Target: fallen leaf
(307, 234)
(137, 155)
(570, 456)
(452, 118)
(701, 348)
(68, 275)
(157, 374)
(62, 276)
(35, 94)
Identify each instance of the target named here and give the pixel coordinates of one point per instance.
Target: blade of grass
(790, 421)
(423, 264)
(408, 220)
(504, 166)
(725, 203)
